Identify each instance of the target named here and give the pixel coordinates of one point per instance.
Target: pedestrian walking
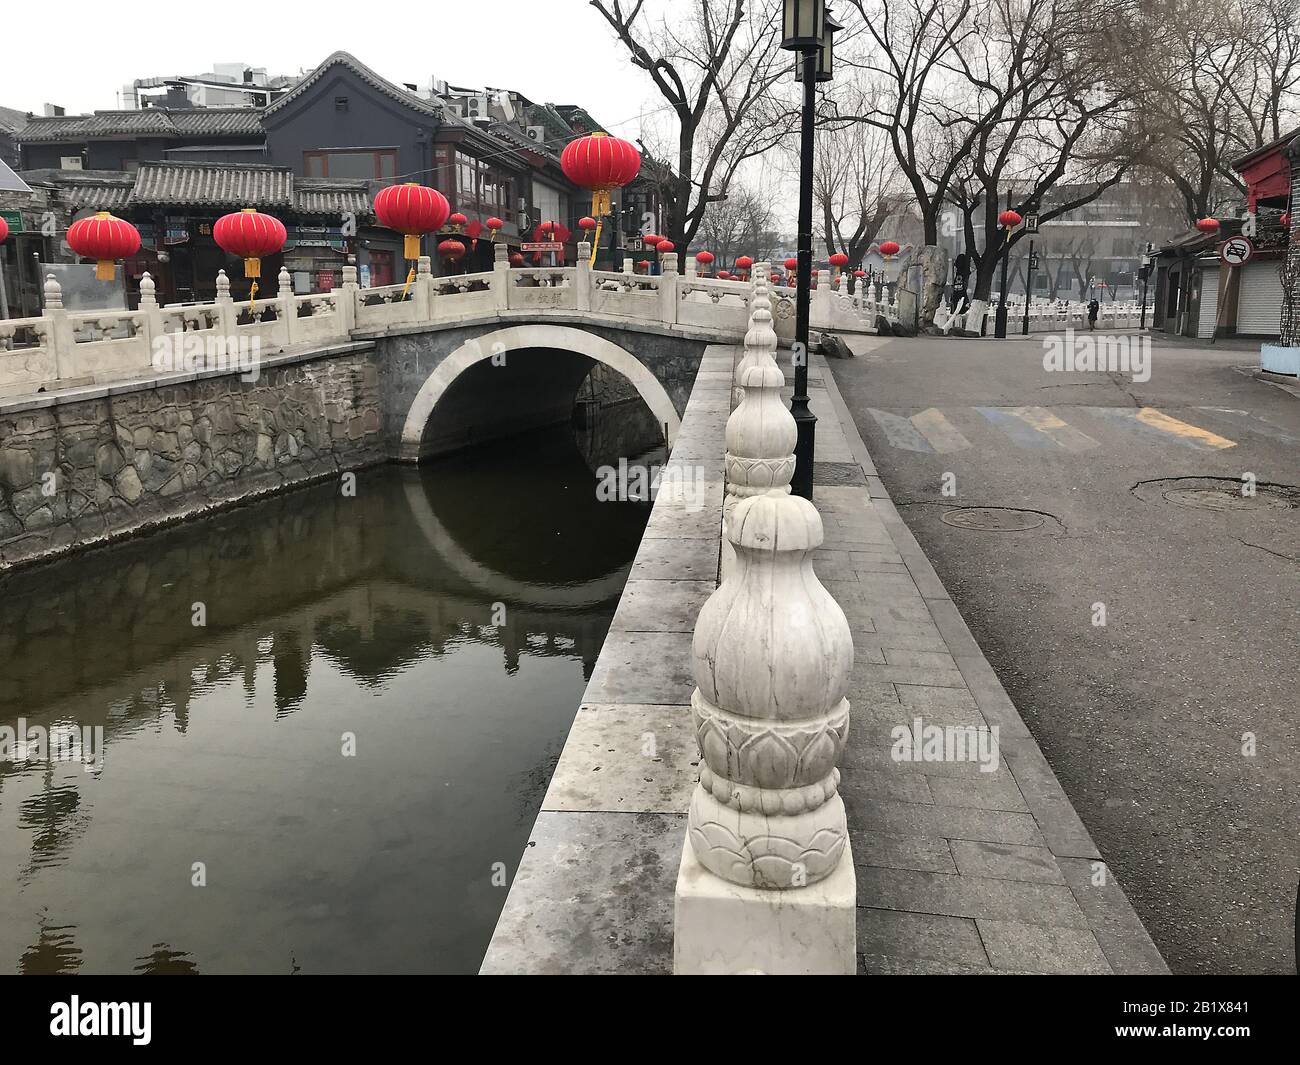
(1093, 308)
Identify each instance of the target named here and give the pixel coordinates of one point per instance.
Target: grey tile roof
(200, 185)
(11, 120)
(331, 197)
(367, 75)
(151, 121)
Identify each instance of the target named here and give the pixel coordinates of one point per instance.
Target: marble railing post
(424, 295)
(766, 882)
(692, 267)
(346, 303)
(582, 280)
(757, 448)
(629, 267)
(227, 316)
(668, 288)
(821, 301)
(501, 276)
(60, 339)
(150, 314)
(286, 309)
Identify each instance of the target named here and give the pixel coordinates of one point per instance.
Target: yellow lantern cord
(409, 278)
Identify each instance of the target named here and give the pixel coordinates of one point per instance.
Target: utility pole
(1000, 318)
(1030, 263)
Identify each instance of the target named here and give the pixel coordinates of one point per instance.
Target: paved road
(1145, 718)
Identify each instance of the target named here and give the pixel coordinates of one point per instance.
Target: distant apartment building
(226, 85)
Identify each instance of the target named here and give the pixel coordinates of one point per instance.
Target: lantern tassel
(409, 278)
(105, 270)
(595, 245)
(252, 297)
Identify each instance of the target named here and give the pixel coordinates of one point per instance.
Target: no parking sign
(1236, 251)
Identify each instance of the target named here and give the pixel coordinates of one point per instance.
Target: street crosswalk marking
(928, 432)
(932, 432)
(1253, 423)
(943, 436)
(1066, 435)
(1020, 431)
(1155, 423)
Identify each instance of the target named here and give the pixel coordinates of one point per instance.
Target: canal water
(328, 720)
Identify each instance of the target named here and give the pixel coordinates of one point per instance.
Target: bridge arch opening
(515, 379)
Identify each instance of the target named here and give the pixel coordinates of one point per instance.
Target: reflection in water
(322, 776)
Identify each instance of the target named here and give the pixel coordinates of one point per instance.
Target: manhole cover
(989, 519)
(1223, 495)
(1224, 499)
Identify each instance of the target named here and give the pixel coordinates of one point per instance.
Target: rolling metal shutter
(1259, 306)
(1209, 302)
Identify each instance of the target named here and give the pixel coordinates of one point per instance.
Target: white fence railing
(63, 348)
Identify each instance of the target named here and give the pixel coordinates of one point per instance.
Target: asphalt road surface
(1175, 725)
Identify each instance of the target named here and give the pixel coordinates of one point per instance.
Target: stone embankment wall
(88, 466)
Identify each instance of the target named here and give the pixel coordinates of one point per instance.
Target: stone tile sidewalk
(958, 870)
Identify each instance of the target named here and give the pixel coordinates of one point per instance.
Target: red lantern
(791, 265)
(664, 247)
(457, 222)
(859, 273)
(547, 230)
(776, 278)
(704, 258)
(724, 275)
(743, 264)
(1010, 219)
(1285, 220)
(1208, 225)
(495, 225)
(412, 210)
(839, 260)
(104, 238)
(516, 259)
(4, 230)
(644, 264)
(600, 163)
(889, 248)
(250, 235)
(451, 250)
(586, 222)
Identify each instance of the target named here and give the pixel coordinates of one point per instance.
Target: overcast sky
(557, 51)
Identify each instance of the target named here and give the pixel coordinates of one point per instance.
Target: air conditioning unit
(536, 133)
(476, 107)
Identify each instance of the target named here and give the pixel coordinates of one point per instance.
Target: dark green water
(441, 625)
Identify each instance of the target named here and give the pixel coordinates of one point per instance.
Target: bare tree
(742, 223)
(715, 63)
(1221, 78)
(856, 186)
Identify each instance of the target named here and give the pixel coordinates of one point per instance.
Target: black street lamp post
(809, 31)
(1000, 319)
(1146, 276)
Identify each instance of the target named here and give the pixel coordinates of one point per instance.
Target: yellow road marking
(939, 431)
(1049, 424)
(1191, 433)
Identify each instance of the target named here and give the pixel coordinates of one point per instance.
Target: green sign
(15, 220)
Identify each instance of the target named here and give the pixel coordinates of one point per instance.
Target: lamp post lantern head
(825, 51)
(803, 24)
